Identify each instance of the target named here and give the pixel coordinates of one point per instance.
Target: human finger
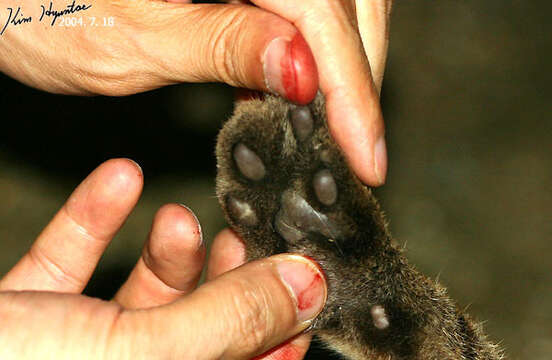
(171, 262)
(373, 19)
(67, 251)
(248, 310)
(227, 253)
(158, 43)
(354, 114)
(294, 349)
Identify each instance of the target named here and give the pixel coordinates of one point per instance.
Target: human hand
(156, 43)
(156, 313)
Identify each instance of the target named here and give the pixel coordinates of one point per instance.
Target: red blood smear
(299, 72)
(306, 299)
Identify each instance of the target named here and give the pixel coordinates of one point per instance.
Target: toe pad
(249, 163)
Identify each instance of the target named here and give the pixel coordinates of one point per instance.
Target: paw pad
(325, 187)
(241, 211)
(297, 218)
(301, 120)
(249, 163)
(380, 319)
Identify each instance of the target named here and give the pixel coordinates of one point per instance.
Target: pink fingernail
(272, 65)
(380, 159)
(307, 284)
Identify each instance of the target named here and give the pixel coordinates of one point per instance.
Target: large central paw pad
(296, 218)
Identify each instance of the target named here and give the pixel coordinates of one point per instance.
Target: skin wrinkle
(112, 329)
(130, 72)
(122, 179)
(348, 7)
(217, 38)
(172, 290)
(86, 231)
(223, 54)
(164, 252)
(40, 257)
(261, 320)
(99, 73)
(167, 256)
(256, 328)
(55, 271)
(242, 63)
(255, 324)
(292, 14)
(78, 227)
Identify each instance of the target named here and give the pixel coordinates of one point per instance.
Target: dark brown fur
(363, 265)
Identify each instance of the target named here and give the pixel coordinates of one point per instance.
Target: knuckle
(55, 271)
(101, 77)
(254, 323)
(97, 73)
(225, 47)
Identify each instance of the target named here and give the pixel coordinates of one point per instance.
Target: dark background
(467, 105)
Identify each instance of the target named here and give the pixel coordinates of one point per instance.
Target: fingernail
(306, 283)
(274, 65)
(380, 160)
(137, 165)
(199, 231)
(290, 70)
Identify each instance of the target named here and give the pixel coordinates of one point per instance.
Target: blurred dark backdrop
(467, 106)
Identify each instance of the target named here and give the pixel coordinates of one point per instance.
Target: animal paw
(285, 186)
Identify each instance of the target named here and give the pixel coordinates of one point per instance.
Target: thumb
(241, 45)
(238, 315)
